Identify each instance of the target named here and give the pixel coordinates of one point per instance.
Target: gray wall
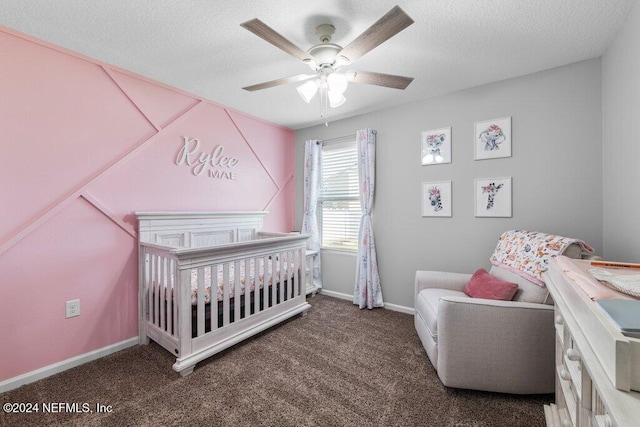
(556, 169)
(621, 142)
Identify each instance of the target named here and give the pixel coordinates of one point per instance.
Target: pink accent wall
(84, 145)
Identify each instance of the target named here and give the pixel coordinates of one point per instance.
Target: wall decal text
(216, 164)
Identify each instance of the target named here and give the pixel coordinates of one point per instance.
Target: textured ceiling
(199, 46)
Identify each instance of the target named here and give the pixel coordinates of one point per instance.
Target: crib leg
(187, 371)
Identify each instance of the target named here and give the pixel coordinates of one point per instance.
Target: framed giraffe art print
(493, 197)
(436, 198)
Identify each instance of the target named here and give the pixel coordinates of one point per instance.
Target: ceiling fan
(327, 59)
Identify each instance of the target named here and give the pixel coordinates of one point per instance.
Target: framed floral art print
(493, 197)
(436, 198)
(493, 138)
(436, 146)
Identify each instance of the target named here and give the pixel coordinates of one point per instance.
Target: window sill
(339, 251)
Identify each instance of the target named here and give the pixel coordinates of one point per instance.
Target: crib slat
(156, 288)
(276, 278)
(158, 297)
(283, 277)
(152, 284)
(214, 298)
(268, 281)
(302, 287)
(247, 287)
(265, 283)
(236, 295)
(290, 262)
(264, 296)
(225, 293)
(147, 287)
(163, 289)
(301, 272)
(289, 289)
(284, 272)
(257, 293)
(200, 301)
(296, 281)
(169, 298)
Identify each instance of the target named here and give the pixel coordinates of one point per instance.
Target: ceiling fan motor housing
(325, 54)
(324, 32)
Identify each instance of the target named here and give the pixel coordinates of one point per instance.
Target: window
(339, 203)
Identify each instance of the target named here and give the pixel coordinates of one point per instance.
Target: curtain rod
(340, 139)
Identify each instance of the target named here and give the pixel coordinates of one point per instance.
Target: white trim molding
(56, 368)
(388, 306)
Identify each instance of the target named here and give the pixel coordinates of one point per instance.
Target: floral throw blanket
(527, 253)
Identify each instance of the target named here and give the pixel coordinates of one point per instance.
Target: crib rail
(158, 305)
(193, 296)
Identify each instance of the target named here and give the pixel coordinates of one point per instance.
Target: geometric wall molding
(101, 143)
(66, 200)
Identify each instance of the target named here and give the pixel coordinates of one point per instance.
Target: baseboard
(388, 306)
(400, 308)
(56, 368)
(335, 294)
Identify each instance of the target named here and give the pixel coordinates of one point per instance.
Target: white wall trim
(335, 294)
(388, 306)
(56, 368)
(400, 308)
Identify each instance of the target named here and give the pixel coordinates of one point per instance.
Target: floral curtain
(311, 189)
(367, 292)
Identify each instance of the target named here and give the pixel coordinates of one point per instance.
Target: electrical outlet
(73, 308)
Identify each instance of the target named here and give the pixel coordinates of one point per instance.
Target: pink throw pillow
(484, 285)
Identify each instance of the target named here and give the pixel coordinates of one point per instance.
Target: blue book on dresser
(624, 313)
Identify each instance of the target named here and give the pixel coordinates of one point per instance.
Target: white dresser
(597, 368)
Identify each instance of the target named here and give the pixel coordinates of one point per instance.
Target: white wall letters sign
(216, 164)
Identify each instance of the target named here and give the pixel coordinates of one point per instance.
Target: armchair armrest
(504, 346)
(440, 280)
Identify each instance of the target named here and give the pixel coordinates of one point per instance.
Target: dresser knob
(565, 375)
(567, 422)
(573, 355)
(559, 320)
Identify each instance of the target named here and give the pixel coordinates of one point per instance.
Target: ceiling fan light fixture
(337, 82)
(308, 90)
(336, 99)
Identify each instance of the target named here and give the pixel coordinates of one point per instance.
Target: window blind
(339, 196)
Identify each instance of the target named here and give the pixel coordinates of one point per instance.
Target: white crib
(208, 280)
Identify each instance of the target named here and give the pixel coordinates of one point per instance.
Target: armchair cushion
(427, 306)
(527, 291)
(484, 285)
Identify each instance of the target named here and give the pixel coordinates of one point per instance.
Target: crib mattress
(273, 277)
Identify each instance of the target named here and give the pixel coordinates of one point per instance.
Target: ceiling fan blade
(278, 82)
(382, 30)
(380, 79)
(267, 33)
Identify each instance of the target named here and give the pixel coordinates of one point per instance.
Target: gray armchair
(490, 345)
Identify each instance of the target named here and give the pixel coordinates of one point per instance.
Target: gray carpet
(336, 366)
